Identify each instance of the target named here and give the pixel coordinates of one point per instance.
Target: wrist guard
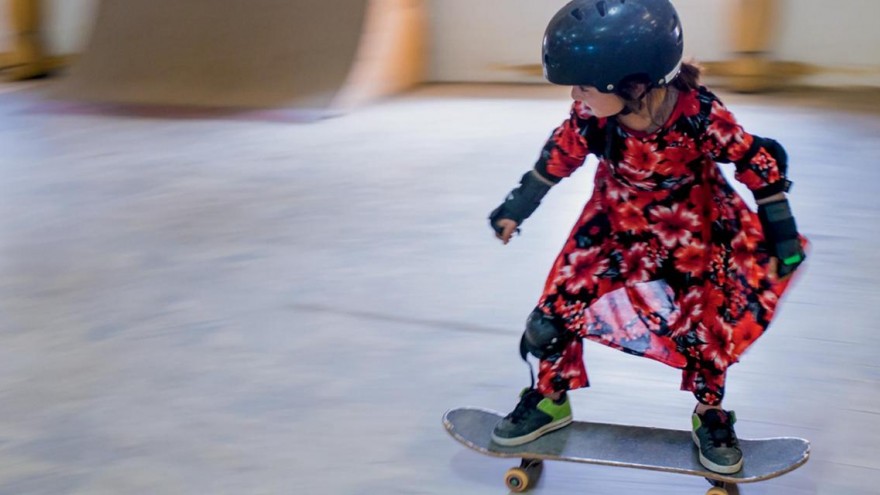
(781, 234)
(521, 202)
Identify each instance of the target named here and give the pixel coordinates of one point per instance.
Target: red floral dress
(666, 261)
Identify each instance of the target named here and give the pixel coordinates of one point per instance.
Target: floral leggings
(568, 372)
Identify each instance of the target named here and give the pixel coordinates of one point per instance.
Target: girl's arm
(761, 164)
(564, 152)
(567, 148)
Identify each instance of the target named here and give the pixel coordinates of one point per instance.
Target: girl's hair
(688, 77)
(634, 89)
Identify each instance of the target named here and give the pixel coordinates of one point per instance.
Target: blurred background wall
(497, 40)
(840, 36)
(812, 42)
(67, 24)
(64, 26)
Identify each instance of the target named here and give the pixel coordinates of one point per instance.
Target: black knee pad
(544, 337)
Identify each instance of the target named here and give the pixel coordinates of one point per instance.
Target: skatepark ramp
(249, 54)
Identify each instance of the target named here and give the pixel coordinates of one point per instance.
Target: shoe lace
(721, 431)
(527, 404)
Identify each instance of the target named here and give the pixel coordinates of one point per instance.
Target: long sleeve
(567, 148)
(760, 163)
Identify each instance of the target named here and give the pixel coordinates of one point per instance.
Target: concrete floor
(196, 306)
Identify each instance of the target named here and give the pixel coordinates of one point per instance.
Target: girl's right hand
(505, 229)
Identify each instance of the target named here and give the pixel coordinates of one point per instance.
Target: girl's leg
(566, 373)
(545, 408)
(713, 426)
(707, 385)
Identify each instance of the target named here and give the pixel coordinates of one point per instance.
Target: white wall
(473, 40)
(480, 40)
(841, 35)
(69, 24)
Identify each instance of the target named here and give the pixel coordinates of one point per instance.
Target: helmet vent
(577, 14)
(600, 6)
(676, 28)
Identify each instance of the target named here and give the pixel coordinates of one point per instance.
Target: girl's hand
(507, 227)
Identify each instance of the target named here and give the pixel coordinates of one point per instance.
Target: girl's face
(602, 104)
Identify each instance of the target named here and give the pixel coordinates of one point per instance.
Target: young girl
(666, 261)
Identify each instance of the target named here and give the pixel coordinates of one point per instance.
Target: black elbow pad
(774, 149)
(777, 152)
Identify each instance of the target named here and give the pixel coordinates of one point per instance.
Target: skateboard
(637, 447)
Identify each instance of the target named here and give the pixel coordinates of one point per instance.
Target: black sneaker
(719, 448)
(534, 416)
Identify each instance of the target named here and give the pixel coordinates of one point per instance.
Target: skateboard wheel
(717, 490)
(517, 480)
(520, 479)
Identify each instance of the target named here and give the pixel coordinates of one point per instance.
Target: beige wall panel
(251, 53)
(219, 53)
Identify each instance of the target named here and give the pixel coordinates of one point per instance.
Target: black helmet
(599, 43)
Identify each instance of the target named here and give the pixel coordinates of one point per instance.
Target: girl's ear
(633, 96)
(639, 91)
(632, 90)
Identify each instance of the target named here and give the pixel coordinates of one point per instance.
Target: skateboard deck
(638, 447)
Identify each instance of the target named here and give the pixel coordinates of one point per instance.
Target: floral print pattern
(666, 261)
